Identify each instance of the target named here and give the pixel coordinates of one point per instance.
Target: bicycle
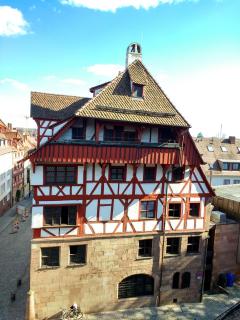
(74, 313)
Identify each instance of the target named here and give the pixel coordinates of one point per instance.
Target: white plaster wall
(91, 210)
(148, 187)
(199, 223)
(149, 225)
(133, 210)
(61, 202)
(110, 227)
(37, 217)
(66, 136)
(146, 135)
(140, 173)
(159, 172)
(190, 224)
(129, 172)
(98, 172)
(6, 166)
(138, 225)
(187, 173)
(154, 135)
(80, 175)
(219, 181)
(90, 129)
(104, 213)
(89, 172)
(118, 210)
(58, 127)
(37, 176)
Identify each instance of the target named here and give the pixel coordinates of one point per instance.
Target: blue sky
(192, 48)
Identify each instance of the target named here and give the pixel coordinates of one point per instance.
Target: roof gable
(113, 102)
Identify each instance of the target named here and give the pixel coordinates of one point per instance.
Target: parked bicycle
(74, 313)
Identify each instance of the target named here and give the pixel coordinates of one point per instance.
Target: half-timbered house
(119, 215)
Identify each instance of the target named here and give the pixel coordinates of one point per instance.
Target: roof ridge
(58, 94)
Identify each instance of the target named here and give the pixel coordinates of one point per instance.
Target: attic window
(210, 148)
(137, 90)
(224, 149)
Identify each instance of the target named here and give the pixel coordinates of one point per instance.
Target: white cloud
(12, 22)
(113, 5)
(105, 70)
(15, 84)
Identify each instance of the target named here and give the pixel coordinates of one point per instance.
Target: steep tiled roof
(55, 106)
(115, 102)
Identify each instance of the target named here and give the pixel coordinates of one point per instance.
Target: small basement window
(77, 254)
(145, 248)
(50, 257)
(137, 90)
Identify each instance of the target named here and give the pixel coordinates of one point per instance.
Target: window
(145, 248)
(118, 133)
(137, 90)
(136, 286)
(78, 133)
(226, 181)
(60, 215)
(177, 174)
(108, 134)
(193, 244)
(130, 136)
(50, 257)
(224, 149)
(173, 245)
(167, 134)
(194, 209)
(225, 166)
(147, 209)
(235, 166)
(117, 173)
(186, 279)
(60, 175)
(236, 181)
(175, 280)
(174, 210)
(149, 174)
(210, 148)
(77, 254)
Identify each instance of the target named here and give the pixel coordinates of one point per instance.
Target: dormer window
(137, 90)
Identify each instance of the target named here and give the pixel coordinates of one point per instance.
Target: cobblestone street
(14, 265)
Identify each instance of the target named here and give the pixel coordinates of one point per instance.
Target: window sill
(172, 255)
(76, 265)
(144, 258)
(48, 268)
(193, 253)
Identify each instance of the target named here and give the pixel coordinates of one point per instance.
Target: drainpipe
(30, 308)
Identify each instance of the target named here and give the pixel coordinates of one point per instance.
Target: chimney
(134, 52)
(9, 126)
(232, 139)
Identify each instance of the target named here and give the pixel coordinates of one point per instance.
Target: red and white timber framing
(105, 207)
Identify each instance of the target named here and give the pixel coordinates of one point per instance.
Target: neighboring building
(224, 241)
(14, 173)
(119, 214)
(222, 158)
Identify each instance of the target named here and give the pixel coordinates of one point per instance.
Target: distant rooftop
(231, 192)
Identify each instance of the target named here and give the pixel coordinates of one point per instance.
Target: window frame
(111, 167)
(169, 210)
(226, 182)
(60, 215)
(80, 137)
(84, 262)
(135, 88)
(176, 280)
(137, 287)
(55, 182)
(148, 250)
(141, 210)
(199, 209)
(145, 174)
(193, 245)
(186, 280)
(47, 266)
(172, 246)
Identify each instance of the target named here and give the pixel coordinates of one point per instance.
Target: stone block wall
(94, 286)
